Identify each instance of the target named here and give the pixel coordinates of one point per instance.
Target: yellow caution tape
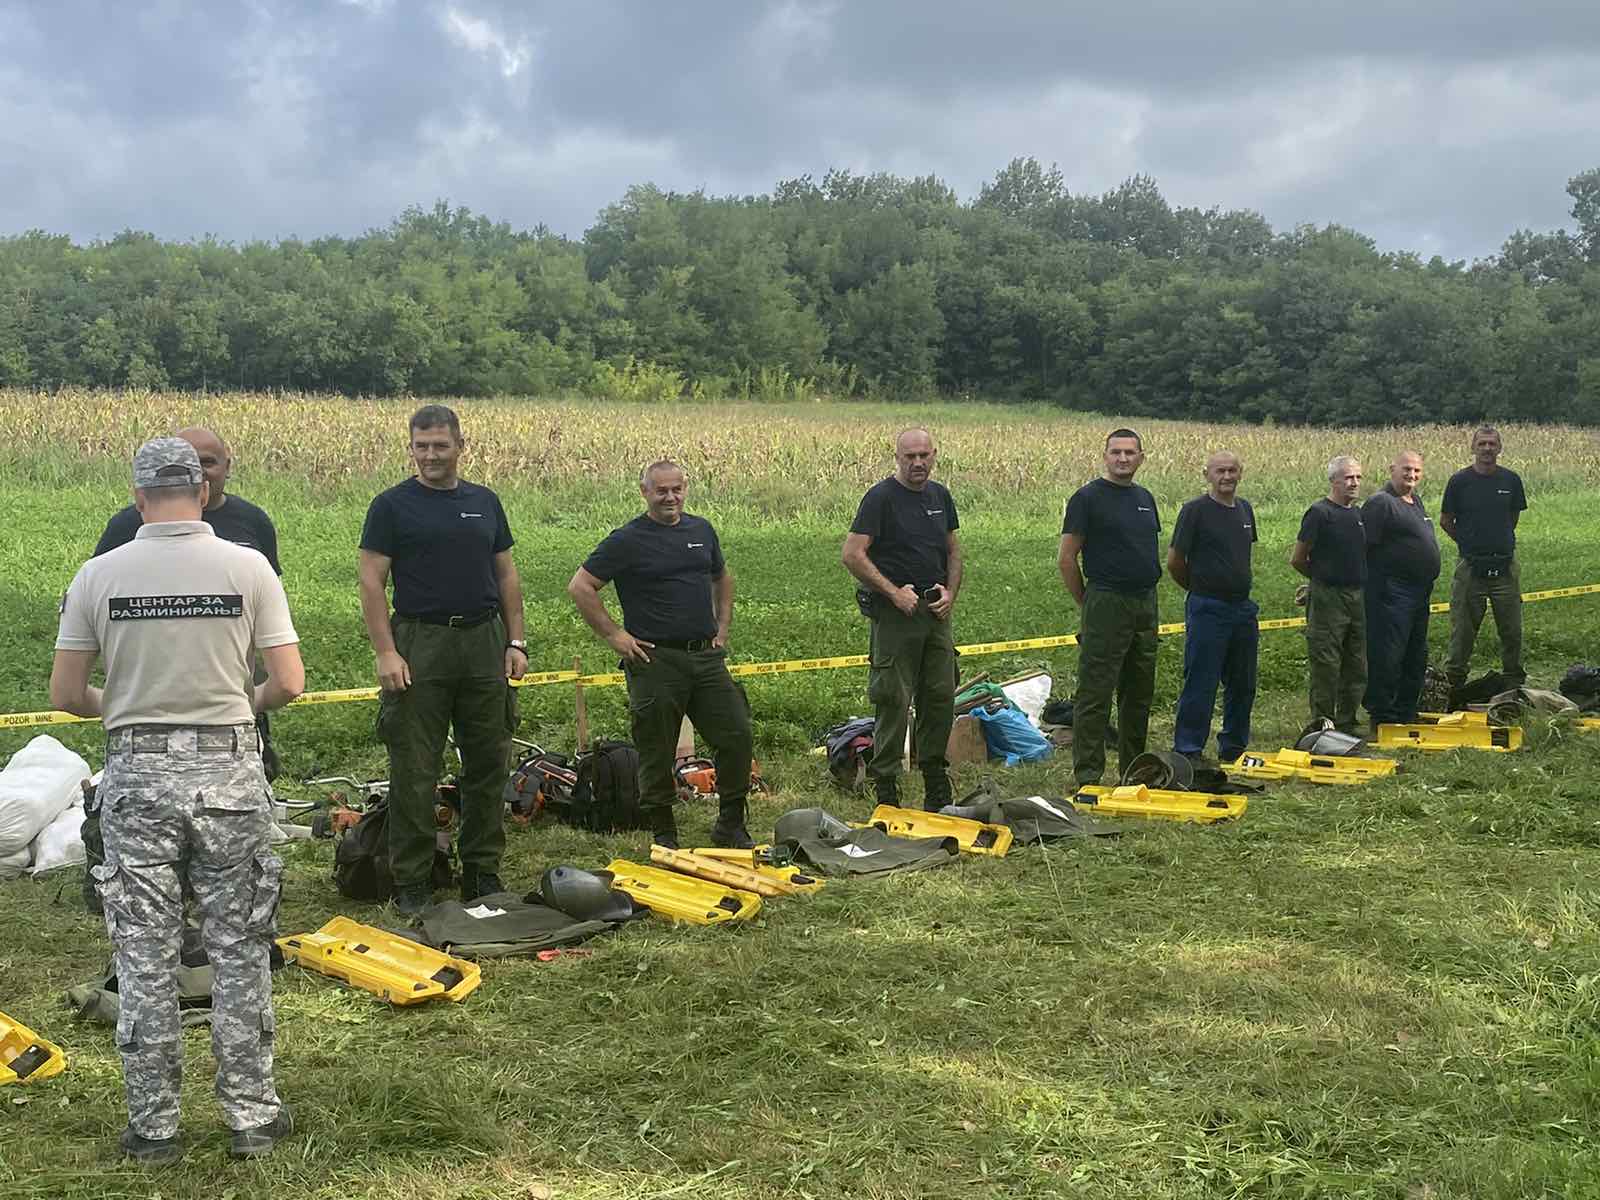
(616, 678)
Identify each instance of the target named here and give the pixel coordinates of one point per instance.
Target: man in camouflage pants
(178, 615)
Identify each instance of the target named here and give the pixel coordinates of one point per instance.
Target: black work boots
(729, 831)
(935, 790)
(886, 790)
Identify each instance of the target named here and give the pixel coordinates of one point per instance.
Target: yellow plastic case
(389, 966)
(1454, 735)
(1315, 768)
(974, 837)
(1588, 723)
(25, 1057)
(1136, 800)
(682, 897)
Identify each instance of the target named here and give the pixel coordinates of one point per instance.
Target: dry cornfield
(809, 451)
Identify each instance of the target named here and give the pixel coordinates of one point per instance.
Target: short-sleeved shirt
(1400, 539)
(663, 575)
(1336, 543)
(441, 543)
(1216, 539)
(1120, 527)
(910, 531)
(1485, 508)
(178, 614)
(237, 521)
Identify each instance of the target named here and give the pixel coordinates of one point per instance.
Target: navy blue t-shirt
(1216, 539)
(910, 531)
(1485, 509)
(1400, 538)
(1336, 543)
(237, 521)
(1120, 528)
(663, 575)
(441, 543)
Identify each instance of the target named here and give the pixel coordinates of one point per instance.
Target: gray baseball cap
(166, 462)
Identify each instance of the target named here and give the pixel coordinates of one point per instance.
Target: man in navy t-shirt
(1210, 558)
(903, 552)
(1402, 563)
(677, 606)
(446, 657)
(1479, 511)
(1113, 523)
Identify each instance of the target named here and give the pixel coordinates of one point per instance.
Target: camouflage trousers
(176, 804)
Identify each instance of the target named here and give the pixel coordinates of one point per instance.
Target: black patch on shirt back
(164, 608)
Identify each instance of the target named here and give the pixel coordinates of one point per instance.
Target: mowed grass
(1386, 991)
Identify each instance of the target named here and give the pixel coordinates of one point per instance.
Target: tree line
(857, 284)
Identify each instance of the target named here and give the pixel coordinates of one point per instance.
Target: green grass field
(1388, 991)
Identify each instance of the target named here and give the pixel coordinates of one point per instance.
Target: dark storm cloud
(1429, 125)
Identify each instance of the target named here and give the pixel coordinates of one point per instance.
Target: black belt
(456, 620)
(691, 645)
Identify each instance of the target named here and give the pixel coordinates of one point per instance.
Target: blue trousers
(1397, 647)
(1219, 646)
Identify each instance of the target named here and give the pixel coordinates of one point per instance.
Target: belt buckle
(454, 621)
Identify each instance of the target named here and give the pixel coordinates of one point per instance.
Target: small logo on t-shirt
(464, 516)
(934, 512)
(697, 545)
(1142, 508)
(1503, 491)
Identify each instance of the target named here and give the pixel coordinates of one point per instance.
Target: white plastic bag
(40, 782)
(60, 843)
(12, 865)
(1030, 695)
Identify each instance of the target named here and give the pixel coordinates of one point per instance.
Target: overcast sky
(1432, 125)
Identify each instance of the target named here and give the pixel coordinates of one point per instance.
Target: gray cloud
(1431, 125)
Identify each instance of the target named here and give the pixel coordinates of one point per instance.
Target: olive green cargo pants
(458, 681)
(1469, 597)
(1116, 653)
(912, 659)
(661, 692)
(1336, 650)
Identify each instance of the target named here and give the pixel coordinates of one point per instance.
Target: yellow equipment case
(1451, 734)
(1136, 800)
(974, 837)
(25, 1057)
(758, 860)
(1315, 768)
(682, 897)
(1588, 723)
(389, 966)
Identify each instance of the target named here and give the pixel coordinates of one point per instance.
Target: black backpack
(361, 859)
(606, 797)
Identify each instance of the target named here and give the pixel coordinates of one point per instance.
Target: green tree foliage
(859, 283)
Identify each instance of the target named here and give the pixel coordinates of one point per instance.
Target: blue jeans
(1219, 646)
(1397, 647)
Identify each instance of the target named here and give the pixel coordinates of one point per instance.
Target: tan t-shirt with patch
(178, 615)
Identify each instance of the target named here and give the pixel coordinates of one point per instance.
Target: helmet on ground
(1164, 770)
(583, 895)
(804, 824)
(1322, 738)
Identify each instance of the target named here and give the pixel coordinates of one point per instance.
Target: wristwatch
(518, 644)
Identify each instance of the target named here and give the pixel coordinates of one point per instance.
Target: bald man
(233, 519)
(1210, 559)
(1402, 563)
(902, 550)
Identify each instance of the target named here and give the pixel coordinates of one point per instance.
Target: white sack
(1030, 695)
(12, 865)
(60, 843)
(39, 783)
